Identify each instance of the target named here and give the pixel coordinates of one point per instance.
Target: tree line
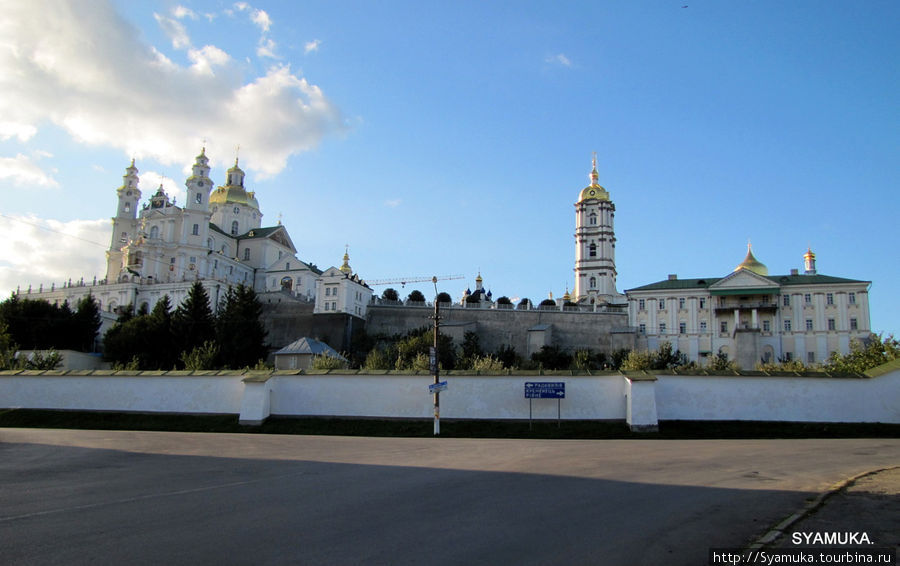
(191, 337)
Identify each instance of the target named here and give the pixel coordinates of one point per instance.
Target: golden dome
(594, 190)
(231, 194)
(750, 263)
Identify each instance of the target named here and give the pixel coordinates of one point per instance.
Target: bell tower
(595, 245)
(199, 184)
(125, 224)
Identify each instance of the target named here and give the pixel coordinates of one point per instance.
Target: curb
(810, 508)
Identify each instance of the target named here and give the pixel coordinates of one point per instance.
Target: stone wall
(597, 331)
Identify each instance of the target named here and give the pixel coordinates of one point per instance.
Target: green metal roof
(782, 280)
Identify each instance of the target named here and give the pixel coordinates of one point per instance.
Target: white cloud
(182, 12)
(559, 59)
(23, 132)
(266, 48)
(311, 46)
(23, 172)
(175, 30)
(393, 203)
(262, 20)
(206, 58)
(38, 251)
(81, 67)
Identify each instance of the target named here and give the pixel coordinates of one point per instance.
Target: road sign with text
(545, 390)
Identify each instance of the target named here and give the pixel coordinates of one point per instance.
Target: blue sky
(452, 137)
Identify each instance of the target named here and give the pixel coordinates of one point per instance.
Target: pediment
(743, 279)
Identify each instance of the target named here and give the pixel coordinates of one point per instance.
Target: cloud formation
(81, 67)
(24, 172)
(558, 59)
(39, 251)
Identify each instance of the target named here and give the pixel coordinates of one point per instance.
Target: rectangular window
(723, 327)
(788, 356)
(246, 254)
(809, 324)
(767, 326)
(786, 300)
(702, 303)
(787, 325)
(682, 328)
(851, 298)
(702, 326)
(662, 304)
(662, 327)
(681, 303)
(807, 298)
(327, 305)
(853, 324)
(810, 357)
(642, 328)
(830, 324)
(195, 230)
(829, 298)
(641, 304)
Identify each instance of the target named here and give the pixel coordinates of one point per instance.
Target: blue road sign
(545, 390)
(436, 387)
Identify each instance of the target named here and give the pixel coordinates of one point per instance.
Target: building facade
(216, 237)
(752, 316)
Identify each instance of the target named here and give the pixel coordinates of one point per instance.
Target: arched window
(234, 228)
(592, 250)
(592, 219)
(199, 198)
(154, 232)
(195, 230)
(287, 283)
(593, 282)
(127, 207)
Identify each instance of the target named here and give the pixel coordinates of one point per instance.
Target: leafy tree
(618, 357)
(585, 359)
(416, 297)
(390, 294)
(239, 331)
(782, 365)
(201, 357)
(377, 359)
(327, 362)
(664, 358)
(552, 357)
(524, 304)
(548, 303)
(193, 323)
(504, 301)
(638, 360)
(471, 349)
(146, 339)
(486, 363)
(869, 354)
(419, 342)
(507, 356)
(444, 297)
(721, 363)
(474, 298)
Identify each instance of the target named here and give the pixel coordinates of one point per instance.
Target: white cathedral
(216, 237)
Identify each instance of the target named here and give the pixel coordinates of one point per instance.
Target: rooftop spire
(595, 176)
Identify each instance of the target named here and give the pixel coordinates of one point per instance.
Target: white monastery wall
(641, 400)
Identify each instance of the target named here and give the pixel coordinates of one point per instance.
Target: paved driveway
(118, 497)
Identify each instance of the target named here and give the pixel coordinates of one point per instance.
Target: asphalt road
(79, 497)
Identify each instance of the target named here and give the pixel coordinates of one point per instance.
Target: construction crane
(404, 280)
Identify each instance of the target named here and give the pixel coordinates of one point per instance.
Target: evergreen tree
(239, 331)
(193, 323)
(87, 323)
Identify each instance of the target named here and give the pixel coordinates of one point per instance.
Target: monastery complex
(217, 237)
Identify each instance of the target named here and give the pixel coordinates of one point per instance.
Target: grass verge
(31, 418)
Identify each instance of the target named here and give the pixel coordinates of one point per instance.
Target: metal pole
(437, 330)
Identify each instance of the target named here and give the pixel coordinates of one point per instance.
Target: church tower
(125, 224)
(234, 209)
(595, 245)
(199, 184)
